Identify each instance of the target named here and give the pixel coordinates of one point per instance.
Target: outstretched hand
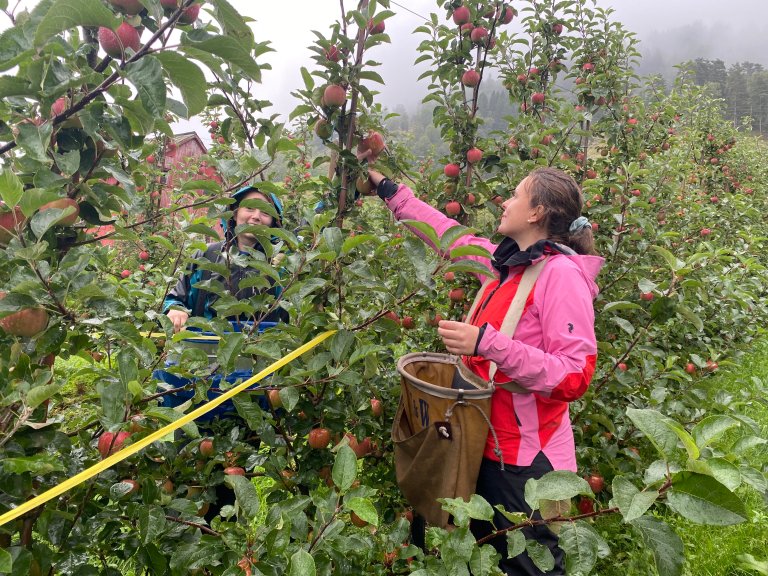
(458, 337)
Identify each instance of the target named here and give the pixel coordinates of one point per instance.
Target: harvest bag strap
(514, 313)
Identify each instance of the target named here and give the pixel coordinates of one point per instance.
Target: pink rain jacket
(553, 351)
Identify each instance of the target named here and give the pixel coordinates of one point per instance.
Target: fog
(670, 31)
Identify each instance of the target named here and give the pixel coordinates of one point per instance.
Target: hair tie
(578, 224)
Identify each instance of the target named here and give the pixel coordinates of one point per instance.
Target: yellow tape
(157, 435)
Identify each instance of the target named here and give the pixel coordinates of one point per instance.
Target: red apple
(537, 98)
(461, 15)
(144, 255)
(64, 204)
(466, 28)
(364, 186)
(221, 140)
(449, 276)
(621, 366)
(332, 53)
(323, 129)
(59, 106)
(111, 442)
(134, 485)
(392, 316)
(10, 222)
(705, 232)
(506, 14)
(596, 482)
(373, 142)
(690, 368)
(474, 155)
(479, 35)
(151, 159)
(125, 273)
(377, 408)
(115, 43)
(470, 78)
(334, 95)
(456, 295)
(376, 28)
(453, 208)
(452, 170)
(360, 448)
(206, 448)
(408, 322)
(189, 15)
(234, 471)
(557, 28)
(585, 506)
(547, 139)
(26, 323)
(646, 296)
(319, 438)
(274, 399)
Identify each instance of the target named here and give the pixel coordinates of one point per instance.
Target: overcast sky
(733, 31)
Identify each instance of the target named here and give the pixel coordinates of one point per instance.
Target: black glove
(386, 189)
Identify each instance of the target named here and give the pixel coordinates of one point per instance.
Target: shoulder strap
(479, 297)
(211, 253)
(515, 311)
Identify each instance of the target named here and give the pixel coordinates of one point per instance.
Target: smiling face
(519, 220)
(251, 216)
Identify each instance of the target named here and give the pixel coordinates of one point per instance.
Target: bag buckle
(444, 431)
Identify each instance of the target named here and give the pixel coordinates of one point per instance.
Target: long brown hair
(560, 196)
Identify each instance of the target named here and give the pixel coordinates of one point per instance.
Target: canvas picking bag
(443, 420)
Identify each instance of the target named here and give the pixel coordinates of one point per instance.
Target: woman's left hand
(458, 337)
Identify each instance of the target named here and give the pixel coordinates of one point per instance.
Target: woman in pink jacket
(553, 352)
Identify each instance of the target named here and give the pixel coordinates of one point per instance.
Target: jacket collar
(508, 253)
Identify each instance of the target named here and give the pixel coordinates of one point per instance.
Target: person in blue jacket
(187, 298)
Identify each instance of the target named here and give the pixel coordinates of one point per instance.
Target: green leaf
(11, 188)
(40, 394)
(672, 261)
(687, 439)
(34, 141)
(229, 349)
(484, 560)
(541, 555)
(515, 543)
(749, 562)
(469, 266)
(146, 75)
(748, 443)
(654, 425)
(344, 468)
(469, 250)
(665, 544)
(453, 234)
(364, 508)
(38, 465)
(711, 428)
(334, 239)
(581, 544)
(245, 492)
(561, 485)
(425, 229)
(754, 478)
(371, 75)
(309, 82)
(225, 47)
(6, 561)
(704, 500)
(621, 305)
(201, 229)
(725, 472)
(632, 503)
(66, 14)
(188, 78)
(302, 564)
(689, 315)
(232, 22)
(15, 86)
(152, 523)
(341, 342)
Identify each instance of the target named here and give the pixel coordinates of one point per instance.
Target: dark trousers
(507, 487)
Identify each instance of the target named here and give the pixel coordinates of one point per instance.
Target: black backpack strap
(212, 252)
